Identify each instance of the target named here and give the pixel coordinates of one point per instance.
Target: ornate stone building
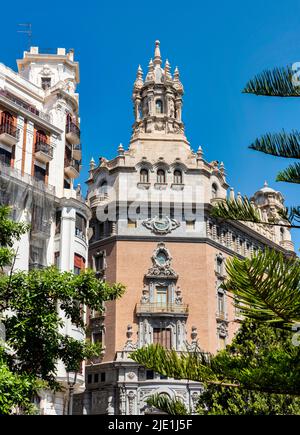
(152, 231)
(40, 156)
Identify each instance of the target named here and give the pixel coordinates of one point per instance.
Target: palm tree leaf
(267, 287)
(165, 404)
(279, 144)
(184, 365)
(291, 214)
(236, 209)
(278, 82)
(290, 175)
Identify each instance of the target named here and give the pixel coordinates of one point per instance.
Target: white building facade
(40, 157)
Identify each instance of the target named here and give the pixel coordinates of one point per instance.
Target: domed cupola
(157, 100)
(269, 201)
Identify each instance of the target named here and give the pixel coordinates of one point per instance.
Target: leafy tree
(31, 307)
(260, 369)
(169, 406)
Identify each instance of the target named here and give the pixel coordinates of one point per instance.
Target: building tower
(40, 157)
(152, 231)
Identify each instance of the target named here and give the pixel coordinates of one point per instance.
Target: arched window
(7, 118)
(281, 234)
(177, 176)
(144, 176)
(103, 188)
(214, 190)
(7, 124)
(161, 176)
(159, 106)
(41, 137)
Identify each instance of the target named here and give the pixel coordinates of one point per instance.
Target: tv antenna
(27, 29)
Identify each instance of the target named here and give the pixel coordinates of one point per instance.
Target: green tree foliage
(10, 231)
(218, 400)
(259, 369)
(163, 403)
(266, 286)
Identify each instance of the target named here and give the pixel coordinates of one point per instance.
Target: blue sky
(217, 46)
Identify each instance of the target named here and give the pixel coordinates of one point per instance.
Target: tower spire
(139, 78)
(157, 56)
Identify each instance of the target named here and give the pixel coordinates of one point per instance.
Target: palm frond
(278, 82)
(290, 175)
(291, 214)
(241, 210)
(279, 144)
(165, 404)
(267, 286)
(186, 365)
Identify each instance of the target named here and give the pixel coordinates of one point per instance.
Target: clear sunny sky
(217, 46)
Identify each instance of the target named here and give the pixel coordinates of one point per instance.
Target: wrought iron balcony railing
(73, 164)
(25, 106)
(71, 127)
(9, 129)
(44, 147)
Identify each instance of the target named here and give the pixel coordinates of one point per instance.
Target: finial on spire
(176, 80)
(231, 194)
(157, 56)
(120, 149)
(200, 151)
(167, 70)
(139, 78)
(92, 164)
(150, 76)
(266, 184)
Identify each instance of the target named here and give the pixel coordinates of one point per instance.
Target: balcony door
(161, 296)
(162, 336)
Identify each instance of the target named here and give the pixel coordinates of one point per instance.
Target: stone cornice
(173, 239)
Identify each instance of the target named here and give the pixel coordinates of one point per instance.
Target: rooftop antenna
(28, 30)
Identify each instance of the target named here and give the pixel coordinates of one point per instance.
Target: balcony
(77, 151)
(9, 134)
(43, 151)
(40, 229)
(162, 309)
(19, 104)
(72, 168)
(72, 133)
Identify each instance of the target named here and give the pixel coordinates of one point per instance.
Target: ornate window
(80, 226)
(161, 176)
(214, 190)
(144, 176)
(161, 296)
(103, 188)
(177, 176)
(219, 267)
(159, 106)
(221, 303)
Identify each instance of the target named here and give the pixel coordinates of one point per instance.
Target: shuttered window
(162, 336)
